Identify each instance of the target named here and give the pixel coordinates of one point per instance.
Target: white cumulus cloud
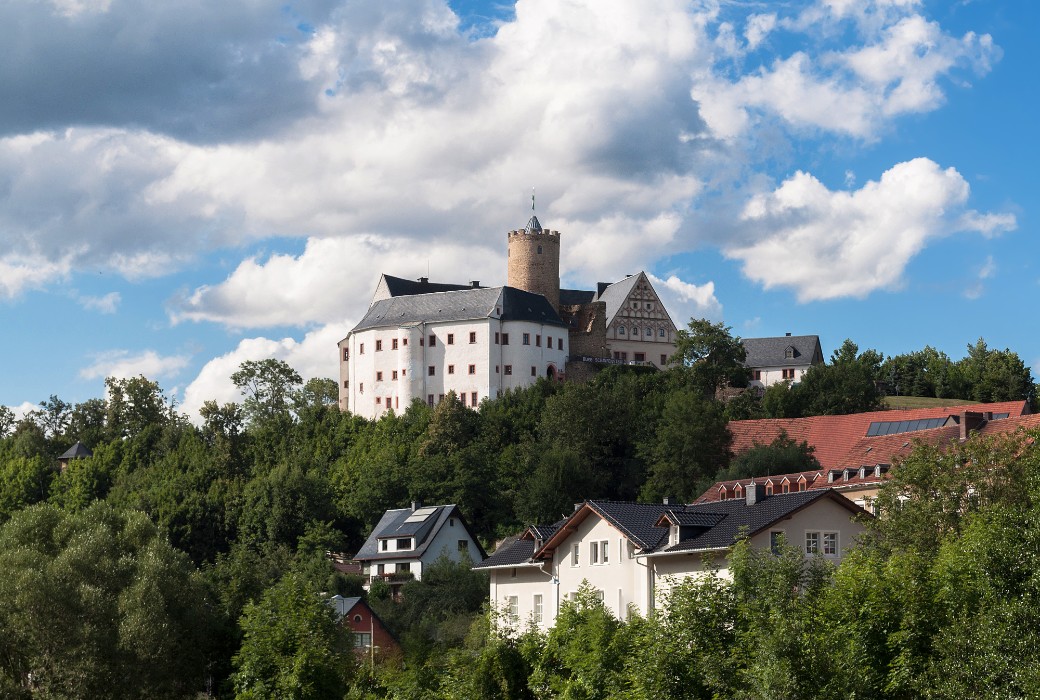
(124, 364)
(825, 244)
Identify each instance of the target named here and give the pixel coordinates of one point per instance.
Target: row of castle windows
(637, 357)
(500, 339)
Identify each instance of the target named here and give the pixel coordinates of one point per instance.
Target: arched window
(660, 332)
(649, 332)
(621, 330)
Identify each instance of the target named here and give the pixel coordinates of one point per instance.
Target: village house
(783, 359)
(407, 540)
(632, 553)
(856, 451)
(372, 639)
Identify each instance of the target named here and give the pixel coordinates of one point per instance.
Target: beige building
(633, 553)
(422, 340)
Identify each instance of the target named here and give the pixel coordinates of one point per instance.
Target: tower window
(539, 250)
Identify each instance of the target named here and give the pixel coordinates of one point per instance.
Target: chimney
(754, 493)
(971, 420)
(578, 505)
(475, 284)
(787, 335)
(424, 280)
(669, 501)
(416, 505)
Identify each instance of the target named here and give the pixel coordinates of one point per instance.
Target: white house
(405, 540)
(631, 553)
(477, 342)
(785, 358)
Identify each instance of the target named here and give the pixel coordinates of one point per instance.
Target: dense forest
(188, 555)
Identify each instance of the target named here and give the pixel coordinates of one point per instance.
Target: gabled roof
(833, 437)
(772, 352)
(394, 523)
(615, 295)
(468, 304)
(703, 526)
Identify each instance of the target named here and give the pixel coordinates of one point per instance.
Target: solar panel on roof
(893, 427)
(420, 515)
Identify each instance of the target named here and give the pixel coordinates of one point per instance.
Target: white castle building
(422, 340)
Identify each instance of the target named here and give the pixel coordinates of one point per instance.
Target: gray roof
(772, 352)
(77, 451)
(703, 526)
(533, 225)
(572, 297)
(393, 525)
(399, 287)
(617, 294)
(464, 305)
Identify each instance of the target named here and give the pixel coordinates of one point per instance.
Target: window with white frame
(575, 554)
(536, 608)
(819, 542)
(513, 607)
(830, 544)
(598, 552)
(812, 542)
(362, 640)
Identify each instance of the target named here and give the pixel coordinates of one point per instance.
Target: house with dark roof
(421, 340)
(77, 451)
(406, 540)
(372, 639)
(785, 358)
(631, 554)
(856, 451)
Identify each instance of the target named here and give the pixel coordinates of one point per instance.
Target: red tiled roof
(881, 449)
(833, 437)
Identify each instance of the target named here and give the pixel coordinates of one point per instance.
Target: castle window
(361, 349)
(462, 398)
(496, 369)
(538, 340)
(379, 345)
(361, 387)
(539, 250)
(664, 359)
(394, 375)
(472, 369)
(472, 336)
(640, 357)
(429, 399)
(346, 384)
(621, 330)
(346, 354)
(451, 339)
(559, 343)
(379, 376)
(404, 373)
(660, 332)
(431, 370)
(422, 342)
(649, 332)
(505, 339)
(548, 341)
(473, 399)
(534, 371)
(405, 342)
(650, 306)
(527, 338)
(496, 338)
(379, 400)
(393, 344)
(451, 369)
(433, 340)
(508, 369)
(440, 397)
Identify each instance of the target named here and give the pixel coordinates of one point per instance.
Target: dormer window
(789, 352)
(404, 543)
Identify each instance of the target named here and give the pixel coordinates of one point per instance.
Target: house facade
(631, 554)
(783, 359)
(372, 639)
(406, 540)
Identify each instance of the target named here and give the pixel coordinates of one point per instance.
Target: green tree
(847, 385)
(269, 387)
(712, 355)
(784, 455)
(691, 443)
(292, 647)
(98, 605)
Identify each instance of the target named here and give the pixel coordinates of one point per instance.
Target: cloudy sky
(185, 185)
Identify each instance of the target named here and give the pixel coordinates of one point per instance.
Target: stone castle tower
(534, 261)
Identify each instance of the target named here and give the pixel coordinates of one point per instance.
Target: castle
(421, 339)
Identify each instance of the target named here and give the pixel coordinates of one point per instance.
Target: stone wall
(534, 263)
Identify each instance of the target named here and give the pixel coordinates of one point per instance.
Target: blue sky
(187, 185)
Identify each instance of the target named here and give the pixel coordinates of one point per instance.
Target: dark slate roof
(510, 553)
(573, 297)
(740, 519)
(694, 518)
(77, 451)
(544, 532)
(771, 352)
(400, 287)
(342, 605)
(516, 304)
(393, 524)
(533, 225)
(635, 520)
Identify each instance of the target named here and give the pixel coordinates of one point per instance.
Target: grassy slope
(921, 402)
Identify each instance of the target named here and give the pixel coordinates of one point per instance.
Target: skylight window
(903, 426)
(420, 515)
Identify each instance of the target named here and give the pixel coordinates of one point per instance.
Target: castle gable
(635, 299)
